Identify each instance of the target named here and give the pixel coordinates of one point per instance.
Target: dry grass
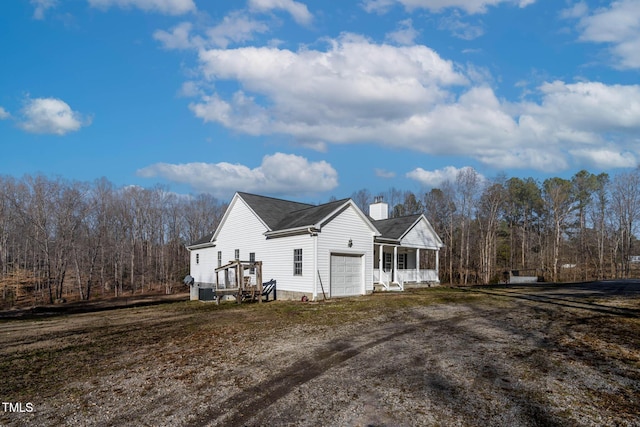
(410, 358)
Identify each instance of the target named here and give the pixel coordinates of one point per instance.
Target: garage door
(346, 275)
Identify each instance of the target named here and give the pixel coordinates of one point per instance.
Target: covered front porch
(396, 266)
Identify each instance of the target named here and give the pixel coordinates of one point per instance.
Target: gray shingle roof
(394, 228)
(272, 211)
(281, 214)
(309, 216)
(202, 240)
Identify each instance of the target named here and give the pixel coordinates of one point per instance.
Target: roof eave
(201, 246)
(292, 232)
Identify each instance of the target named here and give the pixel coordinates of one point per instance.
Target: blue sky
(308, 99)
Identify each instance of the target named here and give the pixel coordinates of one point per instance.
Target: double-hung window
(219, 258)
(297, 262)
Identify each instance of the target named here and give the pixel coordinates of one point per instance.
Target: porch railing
(403, 276)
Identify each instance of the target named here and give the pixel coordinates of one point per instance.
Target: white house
(325, 251)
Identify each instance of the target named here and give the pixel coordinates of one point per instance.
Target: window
(402, 261)
(219, 258)
(237, 254)
(197, 258)
(252, 258)
(388, 261)
(297, 262)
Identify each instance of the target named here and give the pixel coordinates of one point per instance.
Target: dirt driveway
(515, 356)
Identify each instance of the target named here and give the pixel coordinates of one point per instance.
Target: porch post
(438, 264)
(380, 264)
(395, 264)
(418, 265)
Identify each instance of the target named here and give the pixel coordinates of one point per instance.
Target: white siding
(420, 236)
(334, 238)
(202, 272)
(278, 263)
(242, 230)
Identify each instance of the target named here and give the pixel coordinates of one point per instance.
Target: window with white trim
(252, 258)
(237, 252)
(219, 258)
(388, 261)
(402, 261)
(297, 262)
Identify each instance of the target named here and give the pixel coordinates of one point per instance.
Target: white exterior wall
(244, 231)
(278, 263)
(241, 230)
(334, 238)
(203, 271)
(420, 236)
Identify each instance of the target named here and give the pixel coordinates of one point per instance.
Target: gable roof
(395, 228)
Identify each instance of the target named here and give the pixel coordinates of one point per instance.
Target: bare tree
(467, 184)
(490, 205)
(560, 202)
(625, 197)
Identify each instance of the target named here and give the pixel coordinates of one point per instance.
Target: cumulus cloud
(340, 94)
(436, 177)
(168, 7)
(50, 115)
(409, 97)
(298, 11)
(278, 174)
(469, 6)
(617, 25)
(4, 114)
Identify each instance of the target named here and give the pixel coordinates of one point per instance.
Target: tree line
(582, 228)
(60, 238)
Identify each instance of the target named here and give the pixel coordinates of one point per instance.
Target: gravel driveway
(541, 355)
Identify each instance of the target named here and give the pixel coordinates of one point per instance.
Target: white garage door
(346, 275)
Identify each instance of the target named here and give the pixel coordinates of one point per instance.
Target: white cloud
(436, 177)
(332, 95)
(408, 97)
(405, 34)
(278, 174)
(168, 7)
(237, 28)
(4, 114)
(618, 26)
(469, 6)
(41, 7)
(603, 158)
(178, 38)
(297, 10)
(383, 173)
(50, 115)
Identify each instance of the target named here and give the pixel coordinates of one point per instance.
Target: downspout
(314, 236)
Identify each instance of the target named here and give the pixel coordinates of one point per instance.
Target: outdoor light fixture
(350, 243)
